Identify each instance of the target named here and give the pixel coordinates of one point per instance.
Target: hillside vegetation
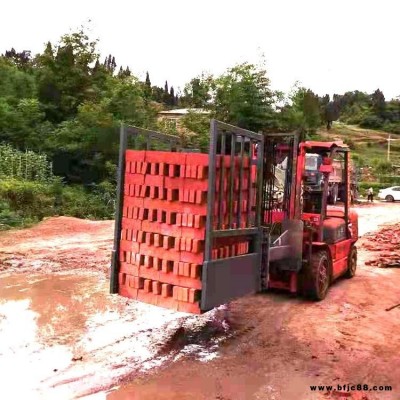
(367, 145)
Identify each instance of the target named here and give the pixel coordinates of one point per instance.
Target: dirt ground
(62, 336)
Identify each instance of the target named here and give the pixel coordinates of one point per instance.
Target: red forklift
(296, 241)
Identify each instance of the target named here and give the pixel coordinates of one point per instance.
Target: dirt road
(62, 336)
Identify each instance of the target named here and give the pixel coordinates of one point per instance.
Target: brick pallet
(163, 225)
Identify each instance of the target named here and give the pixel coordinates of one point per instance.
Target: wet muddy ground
(62, 336)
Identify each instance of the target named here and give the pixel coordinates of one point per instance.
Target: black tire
(351, 263)
(389, 198)
(318, 278)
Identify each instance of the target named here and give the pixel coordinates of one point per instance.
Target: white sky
(329, 46)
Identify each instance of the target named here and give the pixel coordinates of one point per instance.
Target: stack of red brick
(163, 226)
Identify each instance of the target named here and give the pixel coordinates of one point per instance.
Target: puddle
(61, 303)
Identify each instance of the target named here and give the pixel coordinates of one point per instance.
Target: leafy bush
(372, 122)
(79, 202)
(390, 180)
(32, 200)
(384, 167)
(9, 219)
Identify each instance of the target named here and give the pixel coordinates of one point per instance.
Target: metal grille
(278, 149)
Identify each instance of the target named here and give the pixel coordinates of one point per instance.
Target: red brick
(197, 246)
(129, 246)
(188, 245)
(153, 192)
(199, 221)
(182, 171)
(189, 308)
(131, 224)
(156, 287)
(148, 261)
(192, 196)
(153, 180)
(202, 172)
(126, 291)
(200, 197)
(129, 269)
(148, 273)
(170, 218)
(157, 263)
(184, 294)
(132, 167)
(149, 238)
(176, 207)
(145, 168)
(182, 245)
(166, 290)
(173, 170)
(186, 194)
(168, 302)
(141, 237)
(177, 244)
(160, 252)
(186, 269)
(190, 221)
(143, 214)
(176, 292)
(162, 169)
(132, 190)
(179, 219)
(195, 271)
(168, 242)
(194, 295)
(172, 194)
(176, 268)
(188, 171)
(157, 240)
(138, 282)
(122, 279)
(148, 298)
(168, 157)
(174, 183)
(135, 155)
(167, 266)
(139, 259)
(134, 179)
(181, 268)
(137, 191)
(147, 285)
(197, 159)
(152, 215)
(154, 168)
(145, 191)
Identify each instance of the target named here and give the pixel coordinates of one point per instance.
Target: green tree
(243, 97)
(197, 93)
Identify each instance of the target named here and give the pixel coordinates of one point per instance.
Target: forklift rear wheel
(320, 275)
(352, 263)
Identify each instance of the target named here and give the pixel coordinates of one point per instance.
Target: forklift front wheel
(352, 263)
(320, 275)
